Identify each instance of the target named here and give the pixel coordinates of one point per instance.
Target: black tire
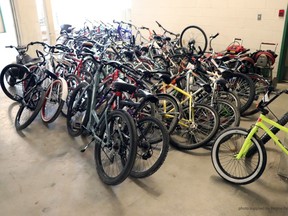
(224, 151)
(244, 88)
(160, 63)
(187, 136)
(32, 106)
(53, 102)
(152, 148)
(196, 36)
(72, 82)
(229, 115)
(77, 107)
(11, 79)
(122, 147)
(168, 111)
(89, 68)
(229, 96)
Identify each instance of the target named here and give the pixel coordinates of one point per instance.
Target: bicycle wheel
(152, 148)
(190, 135)
(229, 115)
(168, 110)
(54, 101)
(115, 155)
(237, 171)
(72, 82)
(194, 38)
(11, 80)
(29, 110)
(229, 96)
(77, 107)
(244, 88)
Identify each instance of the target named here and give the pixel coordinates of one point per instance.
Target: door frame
(283, 53)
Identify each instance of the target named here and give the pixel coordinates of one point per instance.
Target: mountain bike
(112, 131)
(239, 156)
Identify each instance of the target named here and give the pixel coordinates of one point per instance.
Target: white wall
(9, 37)
(232, 19)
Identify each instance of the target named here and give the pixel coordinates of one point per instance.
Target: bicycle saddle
(120, 85)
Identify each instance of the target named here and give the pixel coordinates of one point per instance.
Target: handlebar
(165, 30)
(214, 36)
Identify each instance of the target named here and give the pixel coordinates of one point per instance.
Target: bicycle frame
(261, 124)
(188, 97)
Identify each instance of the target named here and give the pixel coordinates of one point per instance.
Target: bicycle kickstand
(86, 146)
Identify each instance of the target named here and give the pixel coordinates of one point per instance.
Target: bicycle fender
(65, 89)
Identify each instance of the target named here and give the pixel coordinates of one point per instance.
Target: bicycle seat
(120, 85)
(147, 96)
(166, 78)
(87, 51)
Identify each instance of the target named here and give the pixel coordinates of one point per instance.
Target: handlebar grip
(264, 43)
(9, 46)
(214, 36)
(158, 24)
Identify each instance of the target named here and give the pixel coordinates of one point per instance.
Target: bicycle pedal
(77, 125)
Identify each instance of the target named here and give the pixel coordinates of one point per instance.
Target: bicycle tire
(76, 114)
(72, 82)
(126, 149)
(244, 88)
(152, 148)
(226, 143)
(231, 97)
(195, 35)
(31, 105)
(168, 111)
(52, 106)
(11, 79)
(197, 133)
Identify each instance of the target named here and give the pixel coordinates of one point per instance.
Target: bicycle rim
(195, 37)
(28, 112)
(237, 171)
(115, 156)
(152, 148)
(190, 135)
(53, 102)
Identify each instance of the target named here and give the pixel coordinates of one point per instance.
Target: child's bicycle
(239, 155)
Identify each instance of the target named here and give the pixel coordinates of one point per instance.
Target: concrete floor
(42, 172)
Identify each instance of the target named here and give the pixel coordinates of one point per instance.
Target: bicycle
(112, 131)
(239, 156)
(198, 123)
(194, 39)
(152, 135)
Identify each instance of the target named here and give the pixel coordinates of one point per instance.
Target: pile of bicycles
(132, 95)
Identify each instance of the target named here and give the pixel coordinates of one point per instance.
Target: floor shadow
(147, 187)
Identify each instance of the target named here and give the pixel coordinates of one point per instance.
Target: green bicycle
(239, 156)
